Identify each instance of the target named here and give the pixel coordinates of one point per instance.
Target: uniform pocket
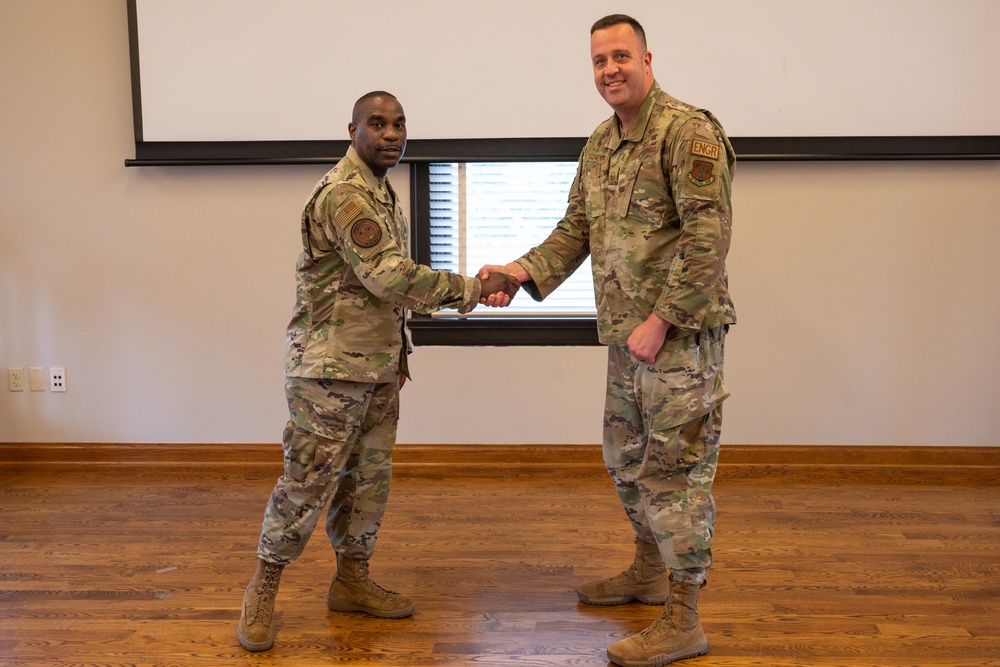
(686, 380)
(646, 197)
(594, 184)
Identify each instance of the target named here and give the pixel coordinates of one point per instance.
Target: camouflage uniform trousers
(662, 423)
(337, 444)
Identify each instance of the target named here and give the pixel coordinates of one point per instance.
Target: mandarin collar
(378, 186)
(637, 132)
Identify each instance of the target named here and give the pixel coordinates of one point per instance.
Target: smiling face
(623, 70)
(378, 133)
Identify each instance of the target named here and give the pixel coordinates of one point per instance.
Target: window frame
(479, 331)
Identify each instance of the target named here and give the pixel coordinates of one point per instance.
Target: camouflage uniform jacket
(653, 209)
(355, 277)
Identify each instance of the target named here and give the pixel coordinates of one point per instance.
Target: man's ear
(351, 129)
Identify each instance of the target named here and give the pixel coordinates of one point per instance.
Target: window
(468, 214)
(492, 212)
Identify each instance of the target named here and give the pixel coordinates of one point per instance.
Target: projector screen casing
(261, 82)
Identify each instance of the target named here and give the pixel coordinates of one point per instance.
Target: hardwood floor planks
(127, 557)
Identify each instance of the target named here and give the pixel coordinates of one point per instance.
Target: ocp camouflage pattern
(355, 278)
(662, 425)
(338, 443)
(653, 208)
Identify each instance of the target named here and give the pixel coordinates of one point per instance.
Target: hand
(647, 338)
(498, 289)
(512, 269)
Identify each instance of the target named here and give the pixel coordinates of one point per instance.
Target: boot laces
(629, 575)
(270, 583)
(260, 609)
(657, 627)
(663, 622)
(371, 585)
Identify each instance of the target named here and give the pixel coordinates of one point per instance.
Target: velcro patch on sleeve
(702, 173)
(705, 149)
(348, 213)
(366, 233)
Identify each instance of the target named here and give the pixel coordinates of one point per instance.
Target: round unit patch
(366, 234)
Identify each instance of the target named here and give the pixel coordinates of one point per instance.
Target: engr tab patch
(705, 149)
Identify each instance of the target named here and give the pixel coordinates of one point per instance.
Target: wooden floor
(133, 556)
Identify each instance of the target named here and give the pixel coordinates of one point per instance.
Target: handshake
(500, 283)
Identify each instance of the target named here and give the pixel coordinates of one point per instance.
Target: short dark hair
(356, 113)
(618, 19)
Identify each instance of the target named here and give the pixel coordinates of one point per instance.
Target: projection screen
(261, 81)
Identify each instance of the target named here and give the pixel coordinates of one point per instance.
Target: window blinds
(491, 213)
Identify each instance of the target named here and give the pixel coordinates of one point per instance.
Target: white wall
(867, 292)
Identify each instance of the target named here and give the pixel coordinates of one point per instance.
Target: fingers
(498, 300)
(487, 269)
(640, 352)
(498, 288)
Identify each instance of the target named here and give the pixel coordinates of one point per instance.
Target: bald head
(365, 100)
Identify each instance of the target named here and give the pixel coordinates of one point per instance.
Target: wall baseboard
(498, 455)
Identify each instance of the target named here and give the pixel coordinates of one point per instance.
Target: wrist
(656, 321)
(516, 270)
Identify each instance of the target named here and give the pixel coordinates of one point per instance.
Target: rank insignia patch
(366, 234)
(705, 149)
(701, 173)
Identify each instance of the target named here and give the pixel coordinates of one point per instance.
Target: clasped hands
(500, 283)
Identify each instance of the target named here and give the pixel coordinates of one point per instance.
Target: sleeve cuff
(473, 290)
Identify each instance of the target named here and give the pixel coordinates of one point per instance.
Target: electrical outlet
(36, 378)
(57, 379)
(15, 379)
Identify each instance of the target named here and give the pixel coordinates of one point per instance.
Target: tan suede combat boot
(255, 631)
(677, 634)
(352, 590)
(645, 580)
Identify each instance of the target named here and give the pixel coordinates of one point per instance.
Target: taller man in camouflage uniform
(651, 205)
(344, 367)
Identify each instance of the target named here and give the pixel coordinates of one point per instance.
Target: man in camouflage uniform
(344, 367)
(651, 205)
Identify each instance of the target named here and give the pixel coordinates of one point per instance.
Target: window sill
(503, 331)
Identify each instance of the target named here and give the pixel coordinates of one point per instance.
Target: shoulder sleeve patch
(702, 173)
(704, 148)
(366, 233)
(347, 213)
